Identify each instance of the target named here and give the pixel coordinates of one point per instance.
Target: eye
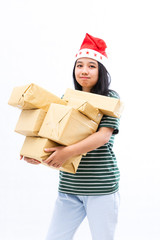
(92, 66)
(79, 65)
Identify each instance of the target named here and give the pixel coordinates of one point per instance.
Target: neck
(85, 89)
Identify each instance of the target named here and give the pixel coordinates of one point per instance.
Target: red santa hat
(93, 48)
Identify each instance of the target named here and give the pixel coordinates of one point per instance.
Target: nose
(84, 70)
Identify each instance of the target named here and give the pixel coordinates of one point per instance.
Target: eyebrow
(89, 62)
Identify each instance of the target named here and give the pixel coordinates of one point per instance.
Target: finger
(21, 157)
(36, 161)
(57, 165)
(51, 163)
(31, 160)
(26, 159)
(54, 164)
(50, 149)
(49, 159)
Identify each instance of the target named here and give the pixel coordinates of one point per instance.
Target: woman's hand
(30, 160)
(58, 157)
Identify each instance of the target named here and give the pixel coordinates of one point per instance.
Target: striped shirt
(98, 172)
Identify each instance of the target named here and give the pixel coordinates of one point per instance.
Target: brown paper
(30, 121)
(32, 96)
(33, 147)
(66, 125)
(86, 108)
(107, 105)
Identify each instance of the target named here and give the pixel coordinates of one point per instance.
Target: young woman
(93, 190)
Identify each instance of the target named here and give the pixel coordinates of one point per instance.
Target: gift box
(107, 105)
(32, 96)
(86, 108)
(33, 147)
(30, 121)
(66, 125)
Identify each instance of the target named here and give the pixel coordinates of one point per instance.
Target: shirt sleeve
(110, 122)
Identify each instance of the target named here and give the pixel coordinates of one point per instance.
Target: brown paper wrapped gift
(107, 105)
(32, 96)
(30, 121)
(66, 125)
(33, 147)
(86, 108)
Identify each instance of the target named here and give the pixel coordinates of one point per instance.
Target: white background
(38, 41)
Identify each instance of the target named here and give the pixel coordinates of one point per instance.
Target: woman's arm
(62, 153)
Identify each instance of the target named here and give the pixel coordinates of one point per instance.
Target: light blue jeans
(70, 210)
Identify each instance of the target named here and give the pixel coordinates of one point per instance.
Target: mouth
(84, 77)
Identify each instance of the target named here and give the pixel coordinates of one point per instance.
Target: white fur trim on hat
(90, 53)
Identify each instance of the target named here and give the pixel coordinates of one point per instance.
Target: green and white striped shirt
(98, 172)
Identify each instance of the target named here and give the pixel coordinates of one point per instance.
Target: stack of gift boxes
(47, 120)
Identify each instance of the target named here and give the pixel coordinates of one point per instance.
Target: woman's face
(86, 73)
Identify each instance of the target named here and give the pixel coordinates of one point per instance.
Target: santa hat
(93, 48)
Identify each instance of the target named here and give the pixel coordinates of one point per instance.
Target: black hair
(103, 83)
